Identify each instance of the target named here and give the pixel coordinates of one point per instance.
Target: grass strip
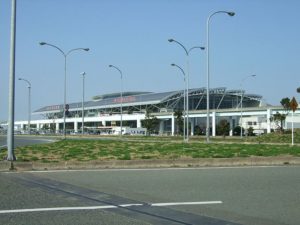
(146, 148)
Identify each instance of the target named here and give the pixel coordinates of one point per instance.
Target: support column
(161, 127)
(192, 120)
(269, 114)
(76, 126)
(23, 126)
(172, 125)
(231, 126)
(138, 123)
(56, 127)
(213, 120)
(104, 123)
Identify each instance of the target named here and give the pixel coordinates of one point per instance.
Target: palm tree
(179, 121)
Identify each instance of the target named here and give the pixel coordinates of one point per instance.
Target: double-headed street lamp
(29, 103)
(184, 96)
(187, 52)
(65, 82)
(207, 84)
(82, 126)
(241, 103)
(121, 95)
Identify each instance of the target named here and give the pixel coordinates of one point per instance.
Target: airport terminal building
(103, 112)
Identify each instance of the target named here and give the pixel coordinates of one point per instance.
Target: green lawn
(129, 148)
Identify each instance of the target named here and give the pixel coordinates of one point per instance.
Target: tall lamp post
(29, 102)
(65, 82)
(207, 84)
(11, 92)
(245, 78)
(184, 96)
(82, 126)
(121, 95)
(187, 52)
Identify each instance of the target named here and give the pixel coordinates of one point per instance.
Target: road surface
(219, 196)
(23, 140)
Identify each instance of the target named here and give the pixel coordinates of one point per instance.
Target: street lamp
(187, 52)
(245, 78)
(207, 84)
(29, 102)
(65, 82)
(82, 126)
(121, 94)
(184, 96)
(11, 91)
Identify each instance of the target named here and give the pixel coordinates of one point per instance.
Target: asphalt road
(219, 196)
(23, 140)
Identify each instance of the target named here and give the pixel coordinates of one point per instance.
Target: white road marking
(105, 207)
(56, 209)
(186, 203)
(128, 205)
(45, 140)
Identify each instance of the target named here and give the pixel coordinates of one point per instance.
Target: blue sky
(262, 39)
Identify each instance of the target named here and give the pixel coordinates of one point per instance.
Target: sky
(261, 39)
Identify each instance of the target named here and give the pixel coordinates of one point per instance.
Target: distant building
(104, 111)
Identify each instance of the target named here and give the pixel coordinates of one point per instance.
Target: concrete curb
(159, 163)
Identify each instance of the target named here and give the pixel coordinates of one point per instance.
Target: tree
(179, 121)
(251, 131)
(285, 102)
(150, 122)
(198, 130)
(237, 131)
(45, 127)
(279, 118)
(52, 127)
(223, 128)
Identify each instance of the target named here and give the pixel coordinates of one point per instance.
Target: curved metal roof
(142, 98)
(115, 95)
